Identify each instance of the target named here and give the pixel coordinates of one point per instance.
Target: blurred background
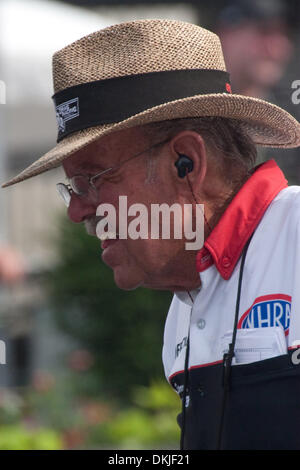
(80, 360)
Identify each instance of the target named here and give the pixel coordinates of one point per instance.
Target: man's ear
(189, 157)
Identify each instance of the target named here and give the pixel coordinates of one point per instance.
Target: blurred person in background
(145, 110)
(258, 41)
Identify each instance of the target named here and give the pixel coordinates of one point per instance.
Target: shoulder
(286, 205)
(280, 225)
(288, 196)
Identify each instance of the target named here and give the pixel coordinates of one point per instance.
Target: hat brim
(267, 124)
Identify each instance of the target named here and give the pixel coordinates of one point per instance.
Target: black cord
(185, 382)
(227, 358)
(186, 373)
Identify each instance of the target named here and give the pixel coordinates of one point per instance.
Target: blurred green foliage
(152, 422)
(111, 392)
(122, 330)
(21, 431)
(43, 418)
(149, 423)
(19, 437)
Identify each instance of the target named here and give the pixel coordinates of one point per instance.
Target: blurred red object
(95, 412)
(43, 381)
(73, 438)
(12, 267)
(80, 360)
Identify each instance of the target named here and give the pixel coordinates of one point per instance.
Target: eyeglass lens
(64, 193)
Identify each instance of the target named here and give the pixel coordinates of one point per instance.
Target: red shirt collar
(225, 243)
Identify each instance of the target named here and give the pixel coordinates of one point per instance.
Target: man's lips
(91, 224)
(108, 239)
(107, 243)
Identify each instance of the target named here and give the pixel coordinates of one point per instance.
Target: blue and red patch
(268, 311)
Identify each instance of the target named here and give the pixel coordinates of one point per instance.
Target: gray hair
(227, 142)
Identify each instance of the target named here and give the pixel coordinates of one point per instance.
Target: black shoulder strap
(227, 358)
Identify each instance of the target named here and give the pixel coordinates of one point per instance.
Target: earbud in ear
(184, 165)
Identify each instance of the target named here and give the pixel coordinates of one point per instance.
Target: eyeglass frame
(62, 187)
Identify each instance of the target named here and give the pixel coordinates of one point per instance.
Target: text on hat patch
(66, 111)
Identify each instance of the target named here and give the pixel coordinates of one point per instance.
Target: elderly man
(145, 110)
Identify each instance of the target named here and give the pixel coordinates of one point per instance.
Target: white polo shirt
(270, 295)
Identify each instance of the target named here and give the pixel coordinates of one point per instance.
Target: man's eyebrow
(90, 167)
(86, 169)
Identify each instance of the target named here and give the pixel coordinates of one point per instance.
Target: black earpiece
(184, 165)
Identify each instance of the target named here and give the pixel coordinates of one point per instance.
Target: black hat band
(116, 99)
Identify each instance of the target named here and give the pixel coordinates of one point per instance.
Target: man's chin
(126, 281)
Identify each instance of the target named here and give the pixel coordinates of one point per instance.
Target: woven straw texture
(137, 47)
(150, 46)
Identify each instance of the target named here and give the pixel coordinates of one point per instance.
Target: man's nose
(80, 208)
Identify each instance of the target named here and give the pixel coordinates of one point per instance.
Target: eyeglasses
(82, 185)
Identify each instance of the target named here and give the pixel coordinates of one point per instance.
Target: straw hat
(143, 71)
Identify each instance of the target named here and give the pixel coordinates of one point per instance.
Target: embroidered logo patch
(66, 111)
(267, 311)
